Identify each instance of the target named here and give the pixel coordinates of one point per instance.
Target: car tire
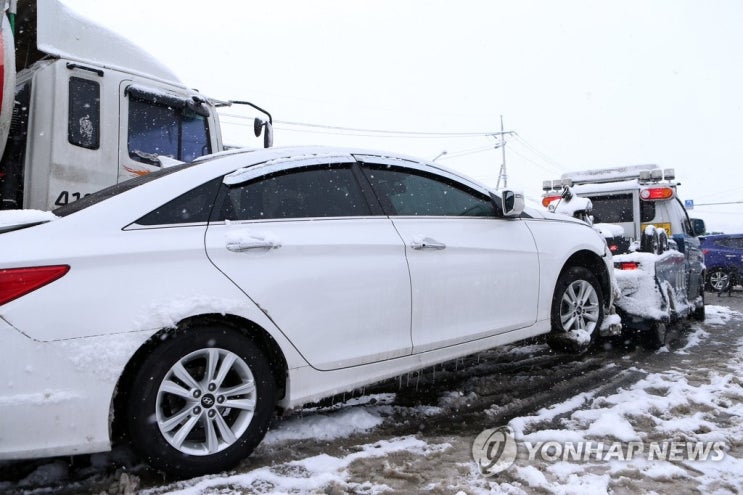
(650, 241)
(718, 280)
(577, 308)
(699, 313)
(200, 402)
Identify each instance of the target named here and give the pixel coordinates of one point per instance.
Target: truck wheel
(662, 241)
(699, 313)
(200, 402)
(655, 337)
(650, 241)
(718, 280)
(577, 311)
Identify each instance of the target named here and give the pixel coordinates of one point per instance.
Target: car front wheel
(577, 310)
(200, 402)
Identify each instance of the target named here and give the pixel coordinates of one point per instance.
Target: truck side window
(613, 208)
(647, 211)
(681, 214)
(84, 117)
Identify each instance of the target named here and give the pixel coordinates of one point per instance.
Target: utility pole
(502, 172)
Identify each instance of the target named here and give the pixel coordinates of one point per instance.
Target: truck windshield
(165, 130)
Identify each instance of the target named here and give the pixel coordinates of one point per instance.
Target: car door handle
(239, 246)
(427, 243)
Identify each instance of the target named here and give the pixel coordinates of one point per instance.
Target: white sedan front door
(303, 245)
(473, 274)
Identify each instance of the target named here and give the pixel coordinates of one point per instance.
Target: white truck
(657, 256)
(83, 108)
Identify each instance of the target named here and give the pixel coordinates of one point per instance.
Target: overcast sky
(584, 84)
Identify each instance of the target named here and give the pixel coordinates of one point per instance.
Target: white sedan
(179, 310)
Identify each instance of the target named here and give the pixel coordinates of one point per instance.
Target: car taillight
(548, 199)
(653, 193)
(627, 265)
(613, 248)
(17, 282)
(705, 252)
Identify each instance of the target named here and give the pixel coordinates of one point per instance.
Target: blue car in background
(723, 255)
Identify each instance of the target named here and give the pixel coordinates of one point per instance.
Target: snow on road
(670, 410)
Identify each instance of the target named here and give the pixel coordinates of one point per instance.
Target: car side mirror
(697, 224)
(512, 202)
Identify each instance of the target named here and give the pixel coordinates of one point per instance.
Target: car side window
(731, 242)
(407, 192)
(308, 192)
(193, 206)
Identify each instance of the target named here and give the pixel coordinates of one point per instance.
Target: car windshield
(116, 189)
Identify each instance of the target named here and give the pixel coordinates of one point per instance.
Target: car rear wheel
(718, 280)
(200, 402)
(577, 310)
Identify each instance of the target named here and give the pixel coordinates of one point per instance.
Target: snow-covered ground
(408, 438)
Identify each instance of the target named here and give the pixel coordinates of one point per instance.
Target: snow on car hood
(548, 215)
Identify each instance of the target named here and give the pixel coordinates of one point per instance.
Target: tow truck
(658, 262)
(83, 108)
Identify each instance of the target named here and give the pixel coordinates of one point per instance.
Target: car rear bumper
(55, 397)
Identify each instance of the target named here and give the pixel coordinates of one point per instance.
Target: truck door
(81, 153)
(158, 122)
(688, 243)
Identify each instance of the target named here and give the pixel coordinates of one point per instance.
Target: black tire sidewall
(662, 241)
(650, 243)
(143, 430)
(699, 314)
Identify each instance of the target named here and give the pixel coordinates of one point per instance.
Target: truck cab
(88, 109)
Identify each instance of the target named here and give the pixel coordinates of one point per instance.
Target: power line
(723, 203)
(406, 133)
(424, 134)
(549, 169)
(536, 151)
(466, 152)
